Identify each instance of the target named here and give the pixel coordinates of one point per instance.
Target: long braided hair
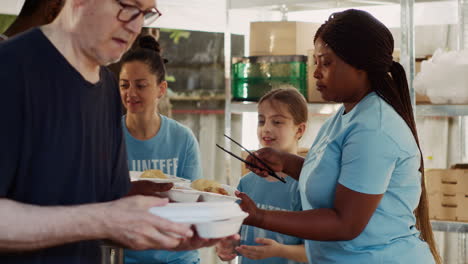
(365, 43)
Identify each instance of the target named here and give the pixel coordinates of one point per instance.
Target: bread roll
(153, 174)
(206, 185)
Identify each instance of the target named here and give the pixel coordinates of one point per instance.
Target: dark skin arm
(148, 188)
(347, 219)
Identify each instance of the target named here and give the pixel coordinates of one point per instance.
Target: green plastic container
(254, 76)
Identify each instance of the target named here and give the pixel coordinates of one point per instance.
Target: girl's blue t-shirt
(175, 151)
(270, 196)
(368, 150)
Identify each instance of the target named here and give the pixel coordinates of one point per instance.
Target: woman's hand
(271, 157)
(278, 161)
(255, 217)
(148, 188)
(225, 249)
(268, 248)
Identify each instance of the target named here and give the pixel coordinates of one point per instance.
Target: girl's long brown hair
(294, 101)
(365, 43)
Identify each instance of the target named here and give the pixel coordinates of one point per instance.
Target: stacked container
(254, 76)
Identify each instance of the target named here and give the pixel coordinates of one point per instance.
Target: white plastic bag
(444, 77)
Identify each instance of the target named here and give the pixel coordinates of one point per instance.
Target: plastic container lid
(135, 176)
(198, 212)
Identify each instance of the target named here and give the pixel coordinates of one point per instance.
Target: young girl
(153, 140)
(282, 117)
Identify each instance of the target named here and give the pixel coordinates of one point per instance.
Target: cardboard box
(448, 181)
(462, 208)
(281, 38)
(453, 207)
(447, 194)
(422, 99)
(301, 152)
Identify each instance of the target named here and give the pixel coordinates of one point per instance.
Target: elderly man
(63, 167)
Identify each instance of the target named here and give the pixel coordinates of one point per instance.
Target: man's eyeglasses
(128, 13)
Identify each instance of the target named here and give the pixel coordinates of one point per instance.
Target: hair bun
(148, 42)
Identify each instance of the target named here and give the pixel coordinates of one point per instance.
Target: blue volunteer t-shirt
(62, 143)
(270, 196)
(175, 151)
(368, 150)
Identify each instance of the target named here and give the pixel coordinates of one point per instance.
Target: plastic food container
(183, 195)
(135, 176)
(211, 220)
(256, 75)
(214, 197)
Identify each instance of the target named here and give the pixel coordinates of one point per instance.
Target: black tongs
(268, 169)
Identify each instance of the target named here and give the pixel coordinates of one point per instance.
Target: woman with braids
(154, 141)
(362, 183)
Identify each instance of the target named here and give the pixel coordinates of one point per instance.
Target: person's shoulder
(19, 44)
(377, 120)
(108, 74)
(177, 128)
(250, 176)
(373, 113)
(246, 181)
(23, 51)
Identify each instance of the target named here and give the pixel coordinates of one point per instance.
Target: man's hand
(148, 188)
(127, 221)
(268, 248)
(225, 249)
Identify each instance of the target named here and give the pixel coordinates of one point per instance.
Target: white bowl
(222, 228)
(182, 185)
(231, 190)
(216, 198)
(211, 220)
(183, 195)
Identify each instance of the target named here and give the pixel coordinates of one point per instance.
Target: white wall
(11, 7)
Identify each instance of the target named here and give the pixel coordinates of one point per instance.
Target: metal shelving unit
(330, 108)
(449, 226)
(442, 110)
(317, 109)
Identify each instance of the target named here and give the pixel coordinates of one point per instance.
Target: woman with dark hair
(362, 183)
(154, 141)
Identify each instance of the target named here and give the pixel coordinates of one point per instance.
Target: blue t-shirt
(270, 196)
(62, 143)
(368, 150)
(175, 151)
